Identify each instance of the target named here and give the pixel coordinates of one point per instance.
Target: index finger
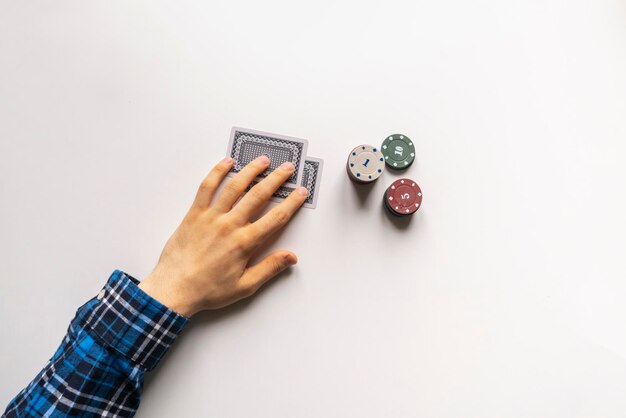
(278, 217)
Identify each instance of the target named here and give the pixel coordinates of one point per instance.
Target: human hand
(205, 263)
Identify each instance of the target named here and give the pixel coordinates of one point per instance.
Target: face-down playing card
(246, 144)
(311, 179)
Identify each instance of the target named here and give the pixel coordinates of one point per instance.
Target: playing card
(246, 144)
(311, 179)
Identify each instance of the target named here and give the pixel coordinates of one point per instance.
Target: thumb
(257, 275)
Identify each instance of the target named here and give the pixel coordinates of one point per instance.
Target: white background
(503, 297)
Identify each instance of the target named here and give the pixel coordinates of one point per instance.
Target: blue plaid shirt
(99, 368)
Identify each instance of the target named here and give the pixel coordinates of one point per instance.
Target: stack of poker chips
(366, 164)
(403, 197)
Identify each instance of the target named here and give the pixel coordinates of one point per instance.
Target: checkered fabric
(99, 368)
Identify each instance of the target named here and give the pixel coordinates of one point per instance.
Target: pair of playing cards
(246, 145)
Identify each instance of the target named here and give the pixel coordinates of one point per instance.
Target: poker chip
(365, 164)
(399, 151)
(403, 197)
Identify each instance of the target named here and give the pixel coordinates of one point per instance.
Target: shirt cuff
(131, 322)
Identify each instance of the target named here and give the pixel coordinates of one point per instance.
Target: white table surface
(503, 297)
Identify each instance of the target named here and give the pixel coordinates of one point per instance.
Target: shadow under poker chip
(399, 221)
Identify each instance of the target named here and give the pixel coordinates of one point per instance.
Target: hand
(204, 264)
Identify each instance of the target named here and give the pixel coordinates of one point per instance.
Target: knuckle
(241, 247)
(281, 218)
(232, 187)
(207, 184)
(247, 290)
(221, 168)
(223, 225)
(211, 180)
(242, 243)
(257, 193)
(212, 216)
(277, 265)
(280, 174)
(251, 168)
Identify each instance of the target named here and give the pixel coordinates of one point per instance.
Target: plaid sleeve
(99, 368)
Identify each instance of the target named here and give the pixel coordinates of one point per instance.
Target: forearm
(116, 337)
(100, 365)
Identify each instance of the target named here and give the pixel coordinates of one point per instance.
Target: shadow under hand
(203, 320)
(208, 318)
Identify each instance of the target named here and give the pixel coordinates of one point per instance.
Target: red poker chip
(403, 197)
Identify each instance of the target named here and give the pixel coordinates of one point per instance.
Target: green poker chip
(399, 151)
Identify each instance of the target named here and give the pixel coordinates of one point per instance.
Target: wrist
(159, 289)
(130, 322)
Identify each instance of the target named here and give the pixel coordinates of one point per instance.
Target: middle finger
(258, 196)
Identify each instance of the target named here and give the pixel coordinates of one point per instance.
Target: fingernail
(227, 160)
(288, 166)
(264, 159)
(303, 191)
(291, 259)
